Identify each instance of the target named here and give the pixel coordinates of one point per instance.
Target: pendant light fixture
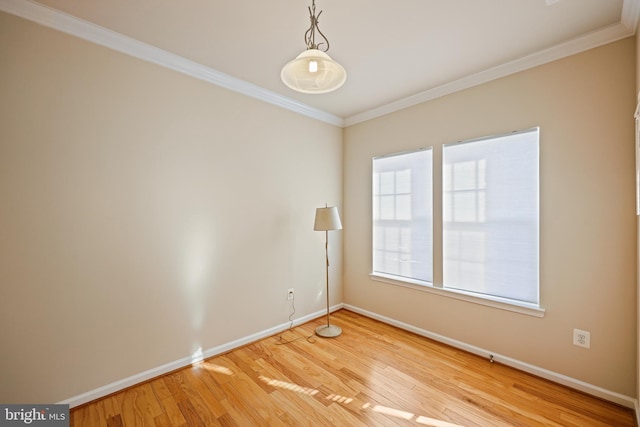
(313, 71)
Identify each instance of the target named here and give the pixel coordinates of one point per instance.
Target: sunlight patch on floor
(339, 399)
(288, 386)
(216, 368)
(434, 423)
(388, 411)
(385, 410)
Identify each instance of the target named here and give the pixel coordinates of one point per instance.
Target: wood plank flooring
(372, 375)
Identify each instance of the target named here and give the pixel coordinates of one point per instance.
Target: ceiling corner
(630, 14)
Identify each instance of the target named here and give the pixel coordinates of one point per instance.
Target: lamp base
(328, 331)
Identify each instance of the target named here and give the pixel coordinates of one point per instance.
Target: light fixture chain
(310, 34)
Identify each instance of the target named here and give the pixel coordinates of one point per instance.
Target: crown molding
(630, 14)
(588, 41)
(69, 24)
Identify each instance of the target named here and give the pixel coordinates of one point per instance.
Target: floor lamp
(327, 218)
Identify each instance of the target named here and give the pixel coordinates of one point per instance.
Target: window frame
(438, 199)
(399, 277)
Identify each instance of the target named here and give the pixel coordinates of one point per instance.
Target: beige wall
(145, 214)
(637, 38)
(588, 227)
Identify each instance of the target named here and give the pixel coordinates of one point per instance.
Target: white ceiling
(395, 52)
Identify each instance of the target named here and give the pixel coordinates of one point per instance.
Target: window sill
(495, 302)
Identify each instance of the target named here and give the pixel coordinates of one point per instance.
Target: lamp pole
(326, 252)
(327, 218)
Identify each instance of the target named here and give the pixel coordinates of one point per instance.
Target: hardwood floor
(372, 375)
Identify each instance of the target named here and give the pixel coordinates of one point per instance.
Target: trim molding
(588, 41)
(593, 390)
(486, 300)
(630, 14)
(69, 24)
(149, 374)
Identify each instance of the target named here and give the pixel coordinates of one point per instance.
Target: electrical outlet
(290, 294)
(582, 338)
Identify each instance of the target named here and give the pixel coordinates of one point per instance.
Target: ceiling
(396, 53)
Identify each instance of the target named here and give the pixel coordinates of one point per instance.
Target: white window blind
(402, 215)
(491, 216)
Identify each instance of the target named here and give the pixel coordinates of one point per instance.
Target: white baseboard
(116, 386)
(147, 375)
(593, 390)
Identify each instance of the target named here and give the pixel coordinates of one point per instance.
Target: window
(490, 216)
(490, 219)
(402, 215)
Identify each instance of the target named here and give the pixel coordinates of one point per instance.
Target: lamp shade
(313, 71)
(327, 219)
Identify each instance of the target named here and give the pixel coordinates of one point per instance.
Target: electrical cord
(293, 310)
(310, 338)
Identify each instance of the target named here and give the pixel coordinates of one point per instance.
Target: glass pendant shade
(313, 71)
